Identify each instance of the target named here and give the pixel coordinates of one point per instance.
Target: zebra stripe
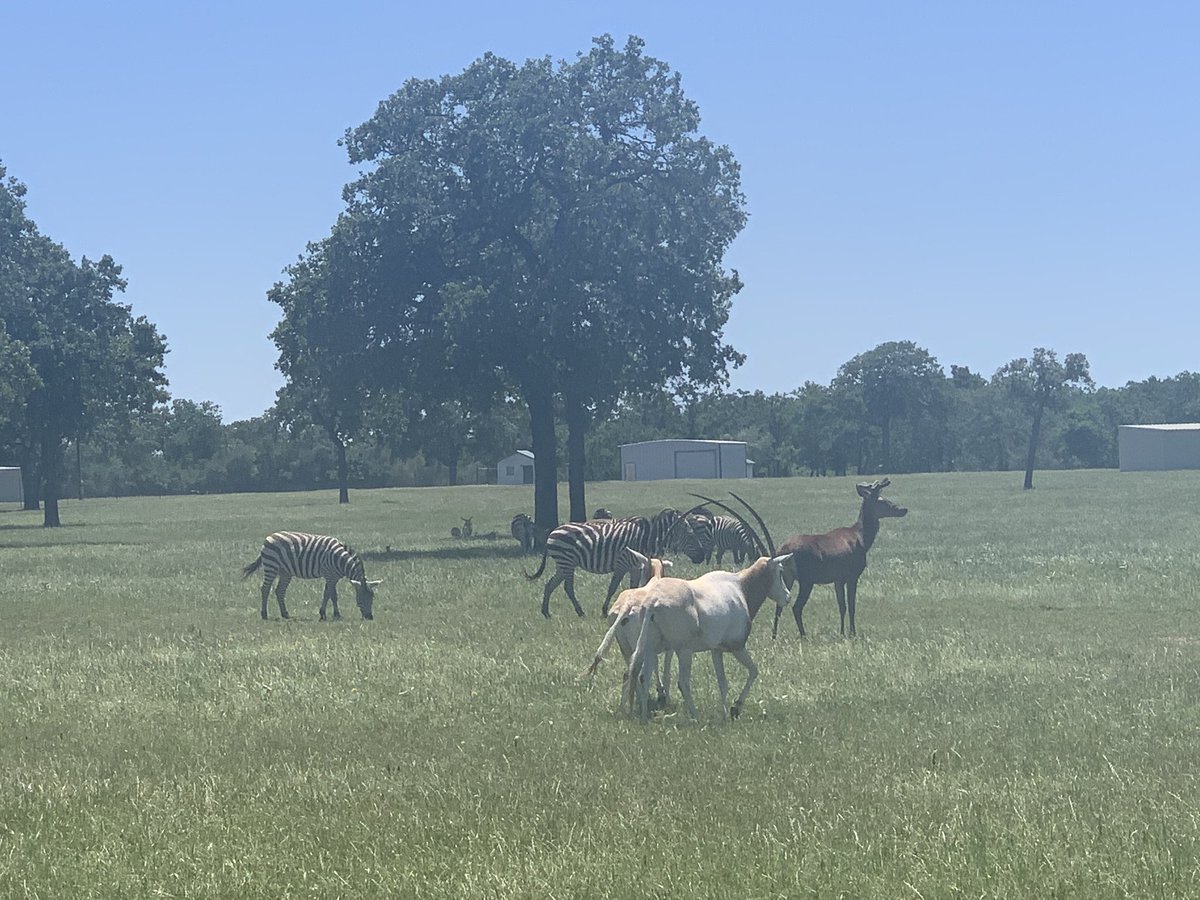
(729, 534)
(291, 554)
(603, 546)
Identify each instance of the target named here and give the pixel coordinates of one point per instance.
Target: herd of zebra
(604, 544)
(626, 546)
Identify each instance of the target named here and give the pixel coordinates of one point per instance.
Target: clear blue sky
(978, 178)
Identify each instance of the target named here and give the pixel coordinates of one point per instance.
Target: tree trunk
(452, 477)
(343, 472)
(886, 431)
(577, 425)
(52, 465)
(31, 479)
(545, 457)
(1035, 434)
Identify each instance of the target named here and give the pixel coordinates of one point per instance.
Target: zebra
(289, 554)
(603, 546)
(727, 533)
(523, 531)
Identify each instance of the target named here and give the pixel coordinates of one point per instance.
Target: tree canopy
(89, 360)
(558, 226)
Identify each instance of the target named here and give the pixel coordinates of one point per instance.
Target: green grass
(1019, 716)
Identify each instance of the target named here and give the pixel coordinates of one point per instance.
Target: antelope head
(880, 507)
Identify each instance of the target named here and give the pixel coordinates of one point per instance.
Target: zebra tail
(252, 568)
(541, 568)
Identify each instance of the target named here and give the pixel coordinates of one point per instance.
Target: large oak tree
(561, 226)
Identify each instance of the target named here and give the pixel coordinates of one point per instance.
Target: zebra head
(682, 533)
(364, 596)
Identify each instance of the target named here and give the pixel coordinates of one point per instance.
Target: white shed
(11, 489)
(1158, 447)
(653, 460)
(515, 469)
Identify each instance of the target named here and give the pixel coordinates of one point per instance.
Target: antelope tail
(603, 648)
(637, 661)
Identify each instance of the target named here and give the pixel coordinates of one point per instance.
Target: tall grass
(1018, 716)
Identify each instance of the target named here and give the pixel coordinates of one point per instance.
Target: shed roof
(1184, 426)
(682, 441)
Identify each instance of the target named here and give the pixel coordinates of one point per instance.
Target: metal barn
(654, 460)
(1156, 448)
(515, 469)
(11, 488)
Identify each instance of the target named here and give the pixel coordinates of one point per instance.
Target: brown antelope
(837, 557)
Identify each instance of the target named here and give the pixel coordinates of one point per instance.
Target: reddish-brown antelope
(837, 557)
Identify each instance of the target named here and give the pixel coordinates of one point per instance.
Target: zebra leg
(280, 590)
(550, 586)
(612, 589)
(569, 586)
(266, 592)
(330, 594)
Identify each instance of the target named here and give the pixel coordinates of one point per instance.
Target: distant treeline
(937, 422)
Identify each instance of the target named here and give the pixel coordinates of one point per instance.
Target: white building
(1158, 447)
(653, 460)
(515, 469)
(11, 488)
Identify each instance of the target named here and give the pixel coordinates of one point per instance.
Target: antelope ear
(639, 559)
(667, 564)
(780, 560)
(864, 489)
(374, 584)
(355, 583)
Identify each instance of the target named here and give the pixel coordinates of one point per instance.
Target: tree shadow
(488, 550)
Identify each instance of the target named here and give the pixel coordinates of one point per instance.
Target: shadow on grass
(488, 550)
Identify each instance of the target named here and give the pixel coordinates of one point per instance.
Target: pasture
(1018, 717)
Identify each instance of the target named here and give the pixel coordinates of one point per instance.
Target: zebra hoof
(734, 712)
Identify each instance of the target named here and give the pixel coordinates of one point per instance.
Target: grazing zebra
(727, 533)
(523, 531)
(288, 554)
(603, 546)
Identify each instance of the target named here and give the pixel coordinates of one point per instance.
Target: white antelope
(713, 612)
(625, 622)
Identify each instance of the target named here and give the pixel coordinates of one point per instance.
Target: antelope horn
(762, 550)
(757, 518)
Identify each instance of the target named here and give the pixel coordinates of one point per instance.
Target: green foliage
(93, 363)
(1017, 718)
(543, 229)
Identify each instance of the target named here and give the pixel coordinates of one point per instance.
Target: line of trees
(953, 420)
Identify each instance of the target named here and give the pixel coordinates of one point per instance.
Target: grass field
(1018, 717)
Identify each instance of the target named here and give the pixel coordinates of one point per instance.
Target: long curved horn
(758, 518)
(762, 550)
